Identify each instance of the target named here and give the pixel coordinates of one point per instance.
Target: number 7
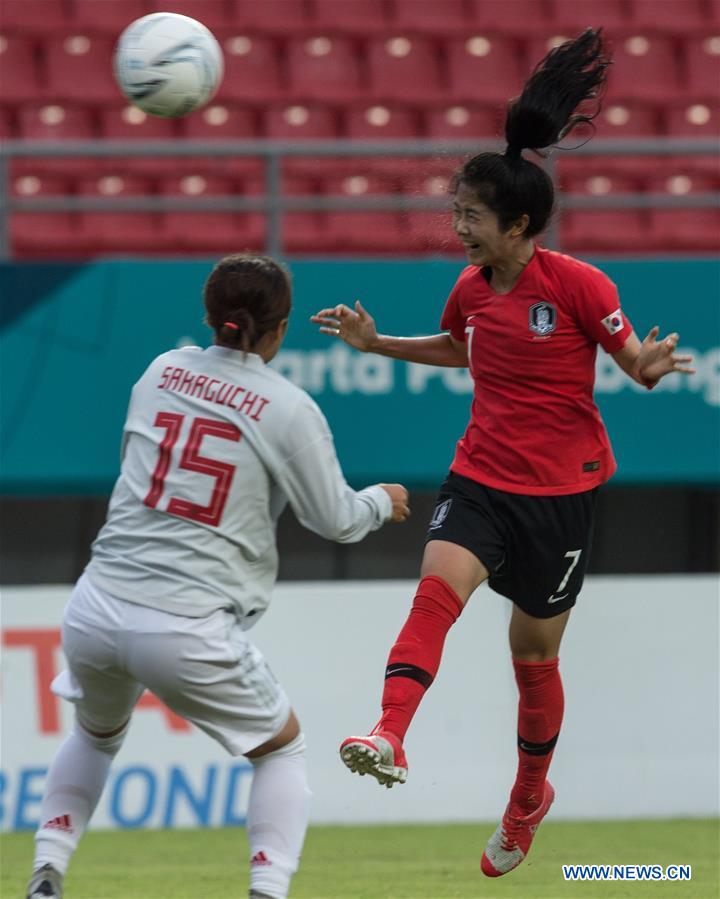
(574, 554)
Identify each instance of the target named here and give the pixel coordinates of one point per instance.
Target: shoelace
(510, 828)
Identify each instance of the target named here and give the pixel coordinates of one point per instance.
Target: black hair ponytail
(568, 76)
(553, 101)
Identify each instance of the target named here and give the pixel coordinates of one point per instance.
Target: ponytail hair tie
(513, 152)
(231, 325)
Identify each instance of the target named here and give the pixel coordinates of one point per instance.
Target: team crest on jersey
(542, 318)
(440, 514)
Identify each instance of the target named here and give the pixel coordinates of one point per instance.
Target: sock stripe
(403, 669)
(537, 748)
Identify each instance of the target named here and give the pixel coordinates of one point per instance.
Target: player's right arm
(357, 328)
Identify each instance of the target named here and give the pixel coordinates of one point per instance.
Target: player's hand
(355, 326)
(658, 357)
(399, 496)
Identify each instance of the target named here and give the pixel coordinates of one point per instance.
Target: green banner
(76, 337)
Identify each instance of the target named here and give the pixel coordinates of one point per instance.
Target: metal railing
(274, 203)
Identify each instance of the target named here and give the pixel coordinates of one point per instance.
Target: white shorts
(204, 669)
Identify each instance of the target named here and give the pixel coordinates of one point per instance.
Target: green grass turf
(388, 862)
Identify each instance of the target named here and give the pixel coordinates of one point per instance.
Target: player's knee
(109, 742)
(295, 749)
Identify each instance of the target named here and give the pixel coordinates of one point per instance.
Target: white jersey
(215, 444)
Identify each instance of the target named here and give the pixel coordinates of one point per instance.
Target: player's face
(477, 227)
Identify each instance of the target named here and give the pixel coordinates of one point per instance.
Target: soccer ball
(168, 64)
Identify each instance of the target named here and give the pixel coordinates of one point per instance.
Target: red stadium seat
(606, 231)
(117, 231)
(34, 16)
(79, 67)
(108, 17)
(574, 16)
(460, 122)
(19, 79)
(381, 122)
(599, 183)
(252, 69)
(693, 120)
(35, 234)
(350, 16)
(644, 67)
(671, 16)
(691, 230)
(302, 231)
(682, 181)
(714, 7)
(483, 67)
(448, 17)
(324, 68)
(55, 121)
(215, 232)
(702, 66)
(127, 122)
(7, 128)
(276, 16)
(363, 231)
(404, 68)
(429, 230)
(212, 13)
(628, 119)
(519, 17)
(221, 121)
(298, 121)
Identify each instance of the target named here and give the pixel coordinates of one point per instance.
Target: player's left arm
(651, 360)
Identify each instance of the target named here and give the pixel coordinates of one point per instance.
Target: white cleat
(46, 883)
(381, 755)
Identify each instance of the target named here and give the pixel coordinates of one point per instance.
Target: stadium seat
(628, 119)
(429, 16)
(354, 230)
(461, 122)
(117, 231)
(213, 14)
(35, 234)
(326, 68)
(682, 181)
(429, 230)
(693, 120)
(701, 56)
(599, 182)
(79, 67)
(404, 68)
(573, 16)
(605, 230)
(128, 123)
(671, 16)
(54, 121)
(691, 230)
(206, 231)
(381, 122)
(221, 121)
(714, 7)
(350, 16)
(644, 67)
(483, 67)
(34, 16)
(252, 69)
(19, 77)
(105, 17)
(302, 231)
(271, 16)
(298, 120)
(521, 17)
(7, 128)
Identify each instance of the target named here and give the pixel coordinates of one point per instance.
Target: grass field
(406, 862)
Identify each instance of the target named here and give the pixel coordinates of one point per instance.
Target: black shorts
(535, 548)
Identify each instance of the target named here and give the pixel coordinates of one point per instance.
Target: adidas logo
(62, 822)
(260, 859)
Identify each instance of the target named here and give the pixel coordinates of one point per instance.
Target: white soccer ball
(168, 64)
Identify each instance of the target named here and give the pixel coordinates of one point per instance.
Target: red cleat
(380, 754)
(511, 842)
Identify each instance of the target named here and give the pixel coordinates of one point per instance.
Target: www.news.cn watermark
(627, 872)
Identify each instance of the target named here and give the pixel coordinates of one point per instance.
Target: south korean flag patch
(614, 322)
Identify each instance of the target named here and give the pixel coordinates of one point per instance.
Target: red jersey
(534, 426)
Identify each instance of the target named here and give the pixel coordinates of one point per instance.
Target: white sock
(74, 784)
(277, 817)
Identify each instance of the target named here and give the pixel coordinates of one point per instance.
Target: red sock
(540, 714)
(415, 658)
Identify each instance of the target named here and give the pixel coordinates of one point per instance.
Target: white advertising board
(640, 664)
